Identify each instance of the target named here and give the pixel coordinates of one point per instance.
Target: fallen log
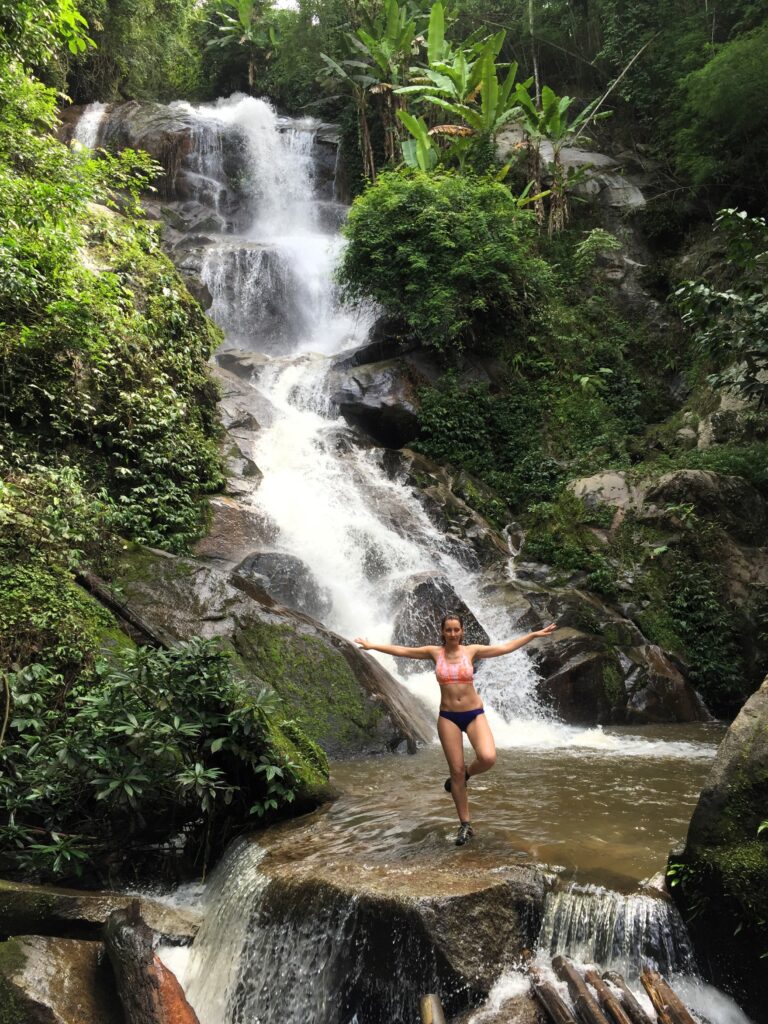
(584, 1002)
(431, 1010)
(608, 1001)
(137, 628)
(666, 1003)
(550, 999)
(635, 1012)
(149, 992)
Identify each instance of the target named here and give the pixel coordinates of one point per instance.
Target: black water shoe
(465, 833)
(447, 783)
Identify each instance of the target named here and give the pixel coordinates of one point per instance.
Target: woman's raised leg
(481, 738)
(452, 741)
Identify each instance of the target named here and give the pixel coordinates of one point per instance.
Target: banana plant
(247, 28)
(354, 76)
(550, 123)
(419, 151)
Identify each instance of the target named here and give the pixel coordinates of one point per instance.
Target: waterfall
(621, 933)
(87, 128)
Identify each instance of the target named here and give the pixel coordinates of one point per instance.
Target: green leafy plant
(164, 748)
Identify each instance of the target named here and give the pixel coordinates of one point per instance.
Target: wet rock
(288, 580)
(418, 607)
(56, 981)
(338, 694)
(657, 691)
(449, 498)
(612, 675)
(389, 935)
(722, 873)
(235, 530)
(729, 500)
(79, 914)
(380, 399)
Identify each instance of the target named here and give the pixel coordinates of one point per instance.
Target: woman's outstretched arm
(494, 650)
(421, 653)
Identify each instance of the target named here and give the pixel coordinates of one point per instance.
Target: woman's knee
(457, 772)
(486, 760)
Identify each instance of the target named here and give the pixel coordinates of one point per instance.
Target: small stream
(599, 809)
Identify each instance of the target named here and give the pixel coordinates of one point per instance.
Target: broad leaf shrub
(163, 752)
(450, 258)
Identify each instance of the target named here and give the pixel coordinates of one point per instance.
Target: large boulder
(56, 981)
(380, 399)
(720, 878)
(599, 668)
(288, 580)
(379, 933)
(418, 608)
(338, 694)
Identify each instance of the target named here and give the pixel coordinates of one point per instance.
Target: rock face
(56, 981)
(380, 399)
(722, 873)
(339, 695)
(728, 500)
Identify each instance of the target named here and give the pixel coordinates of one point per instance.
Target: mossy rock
(722, 874)
(314, 681)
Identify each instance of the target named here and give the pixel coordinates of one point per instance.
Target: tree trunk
(431, 1010)
(558, 202)
(534, 175)
(366, 149)
(149, 992)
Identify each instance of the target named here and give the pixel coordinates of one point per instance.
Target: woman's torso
(456, 679)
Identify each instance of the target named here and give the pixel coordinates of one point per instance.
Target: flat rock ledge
(78, 914)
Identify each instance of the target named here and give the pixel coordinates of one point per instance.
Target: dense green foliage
(115, 768)
(728, 310)
(450, 258)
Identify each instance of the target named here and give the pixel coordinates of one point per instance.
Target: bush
(450, 258)
(166, 749)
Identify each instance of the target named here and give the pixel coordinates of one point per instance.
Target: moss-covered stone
(314, 681)
(721, 877)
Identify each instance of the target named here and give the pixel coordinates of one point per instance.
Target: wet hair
(447, 618)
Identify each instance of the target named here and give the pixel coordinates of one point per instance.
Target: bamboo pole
(607, 999)
(667, 1004)
(635, 1012)
(584, 1002)
(431, 1009)
(550, 999)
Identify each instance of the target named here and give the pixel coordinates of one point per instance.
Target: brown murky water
(607, 813)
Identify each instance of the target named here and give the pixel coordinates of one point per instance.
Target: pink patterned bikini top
(460, 671)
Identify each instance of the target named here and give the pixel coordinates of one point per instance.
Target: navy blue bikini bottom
(462, 718)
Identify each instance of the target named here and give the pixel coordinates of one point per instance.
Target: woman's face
(453, 631)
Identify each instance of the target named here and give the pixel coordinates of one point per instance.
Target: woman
(461, 709)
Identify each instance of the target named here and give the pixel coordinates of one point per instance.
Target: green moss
(315, 682)
(46, 617)
(613, 684)
(13, 1009)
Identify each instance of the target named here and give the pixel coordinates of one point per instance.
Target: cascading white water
(87, 128)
